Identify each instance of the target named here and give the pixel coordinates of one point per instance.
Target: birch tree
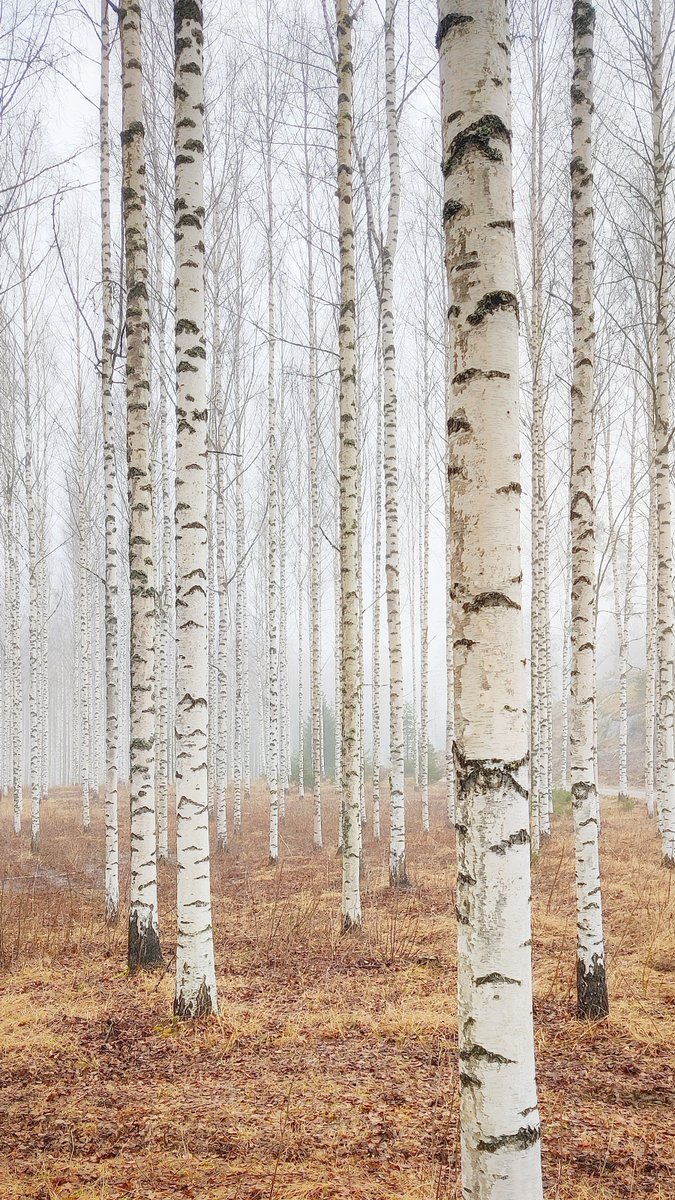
(112, 883)
(592, 999)
(195, 961)
(144, 946)
(500, 1132)
(665, 596)
(349, 513)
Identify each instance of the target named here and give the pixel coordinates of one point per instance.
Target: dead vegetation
(330, 1071)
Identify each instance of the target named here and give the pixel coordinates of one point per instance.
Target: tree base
(222, 844)
(144, 951)
(592, 997)
(35, 843)
(350, 926)
(199, 1006)
(669, 861)
(398, 876)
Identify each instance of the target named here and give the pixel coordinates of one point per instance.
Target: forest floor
(330, 1071)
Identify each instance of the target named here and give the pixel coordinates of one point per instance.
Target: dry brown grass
(330, 1071)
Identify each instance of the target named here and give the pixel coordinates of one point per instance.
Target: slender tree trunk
(144, 947)
(665, 771)
(500, 1132)
(397, 854)
(272, 479)
(83, 633)
(240, 661)
(15, 654)
(424, 612)
(651, 628)
(222, 697)
(450, 775)
(314, 510)
(301, 668)
(33, 582)
(377, 616)
(195, 963)
(349, 509)
(592, 1000)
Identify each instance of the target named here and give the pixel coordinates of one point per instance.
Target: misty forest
(337, 600)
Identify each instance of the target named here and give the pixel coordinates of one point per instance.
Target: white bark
(14, 594)
(397, 852)
(592, 1000)
(450, 778)
(272, 478)
(650, 630)
(35, 736)
(144, 947)
(500, 1133)
(665, 769)
(349, 506)
(377, 615)
(195, 962)
(314, 511)
(241, 663)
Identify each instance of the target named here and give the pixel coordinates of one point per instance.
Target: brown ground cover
(330, 1071)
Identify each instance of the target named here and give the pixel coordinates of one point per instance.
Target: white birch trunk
(314, 515)
(144, 946)
(397, 851)
(665, 769)
(240, 660)
(195, 961)
(592, 1000)
(450, 776)
(650, 629)
(424, 616)
(349, 501)
(35, 740)
(500, 1132)
(222, 696)
(15, 664)
(377, 613)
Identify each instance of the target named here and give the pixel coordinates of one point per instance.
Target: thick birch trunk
(500, 1132)
(144, 947)
(195, 963)
(592, 1000)
(349, 509)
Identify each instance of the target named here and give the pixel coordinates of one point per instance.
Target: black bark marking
(477, 373)
(525, 1137)
(592, 996)
(451, 21)
(143, 948)
(480, 1054)
(489, 600)
(495, 977)
(492, 302)
(520, 838)
(201, 1006)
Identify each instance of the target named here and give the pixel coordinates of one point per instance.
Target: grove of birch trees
(336, 462)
